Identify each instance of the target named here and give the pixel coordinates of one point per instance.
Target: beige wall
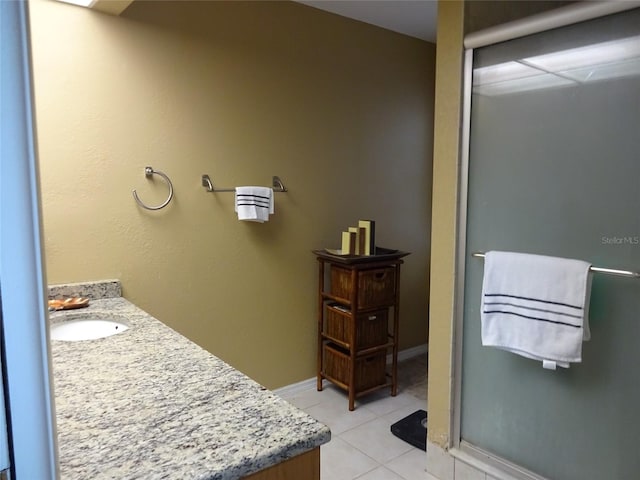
(481, 14)
(448, 109)
(340, 110)
(454, 18)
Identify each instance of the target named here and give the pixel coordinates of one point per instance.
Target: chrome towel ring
(148, 172)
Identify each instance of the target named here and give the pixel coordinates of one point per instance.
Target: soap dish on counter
(68, 303)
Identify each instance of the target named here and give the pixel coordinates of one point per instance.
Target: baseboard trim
(309, 383)
(295, 388)
(411, 352)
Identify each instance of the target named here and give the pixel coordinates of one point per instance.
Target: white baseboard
(309, 383)
(295, 388)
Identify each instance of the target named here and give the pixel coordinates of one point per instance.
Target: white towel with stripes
(254, 204)
(536, 306)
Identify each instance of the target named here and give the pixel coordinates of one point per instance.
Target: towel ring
(148, 172)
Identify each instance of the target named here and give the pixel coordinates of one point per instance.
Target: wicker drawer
(370, 369)
(371, 328)
(376, 287)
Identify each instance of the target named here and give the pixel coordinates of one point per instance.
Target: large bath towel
(536, 306)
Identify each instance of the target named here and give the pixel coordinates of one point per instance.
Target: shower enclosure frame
(560, 17)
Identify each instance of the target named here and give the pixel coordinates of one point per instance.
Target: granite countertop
(148, 403)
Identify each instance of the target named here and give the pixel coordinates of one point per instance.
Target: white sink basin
(78, 327)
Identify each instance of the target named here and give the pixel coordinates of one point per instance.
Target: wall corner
(448, 110)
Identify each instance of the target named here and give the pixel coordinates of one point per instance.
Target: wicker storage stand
(376, 287)
(371, 328)
(358, 317)
(370, 369)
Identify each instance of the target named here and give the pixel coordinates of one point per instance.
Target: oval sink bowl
(86, 327)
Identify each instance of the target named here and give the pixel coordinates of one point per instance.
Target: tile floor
(362, 446)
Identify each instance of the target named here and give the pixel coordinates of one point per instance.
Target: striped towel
(536, 306)
(254, 204)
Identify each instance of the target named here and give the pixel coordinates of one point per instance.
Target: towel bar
(607, 271)
(278, 186)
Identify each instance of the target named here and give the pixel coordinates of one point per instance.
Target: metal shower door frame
(560, 17)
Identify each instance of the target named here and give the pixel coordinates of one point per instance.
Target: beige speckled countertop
(148, 403)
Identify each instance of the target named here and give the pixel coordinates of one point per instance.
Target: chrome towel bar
(607, 271)
(278, 186)
(148, 172)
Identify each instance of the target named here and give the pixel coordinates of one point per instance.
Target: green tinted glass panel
(554, 169)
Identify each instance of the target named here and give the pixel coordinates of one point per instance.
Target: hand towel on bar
(536, 306)
(254, 203)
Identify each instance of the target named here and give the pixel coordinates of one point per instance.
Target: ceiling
(416, 18)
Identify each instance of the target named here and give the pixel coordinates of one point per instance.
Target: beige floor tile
(362, 445)
(411, 465)
(383, 403)
(338, 418)
(404, 410)
(380, 473)
(341, 461)
(308, 398)
(412, 376)
(375, 439)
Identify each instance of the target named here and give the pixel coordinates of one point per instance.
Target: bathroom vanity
(148, 403)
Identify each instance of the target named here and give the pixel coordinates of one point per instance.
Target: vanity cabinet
(305, 466)
(358, 317)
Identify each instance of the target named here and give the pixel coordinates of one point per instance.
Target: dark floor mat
(412, 429)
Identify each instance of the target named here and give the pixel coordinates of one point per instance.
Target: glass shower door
(4, 440)
(25, 355)
(554, 169)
